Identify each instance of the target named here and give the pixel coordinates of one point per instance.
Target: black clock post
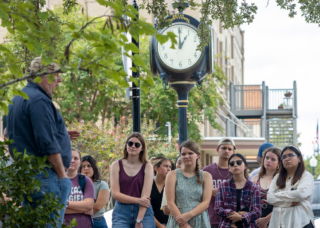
(179, 71)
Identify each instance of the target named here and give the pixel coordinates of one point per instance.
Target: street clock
(185, 62)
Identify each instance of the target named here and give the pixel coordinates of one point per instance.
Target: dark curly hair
(96, 174)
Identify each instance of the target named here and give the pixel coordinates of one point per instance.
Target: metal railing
(278, 99)
(280, 132)
(248, 97)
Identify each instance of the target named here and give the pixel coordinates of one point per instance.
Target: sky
(279, 50)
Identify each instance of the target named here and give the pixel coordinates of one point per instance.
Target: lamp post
(136, 113)
(313, 163)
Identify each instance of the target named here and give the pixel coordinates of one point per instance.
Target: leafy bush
(16, 180)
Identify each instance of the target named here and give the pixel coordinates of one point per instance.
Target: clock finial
(180, 6)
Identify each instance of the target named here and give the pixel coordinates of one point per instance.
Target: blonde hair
(193, 146)
(157, 161)
(143, 156)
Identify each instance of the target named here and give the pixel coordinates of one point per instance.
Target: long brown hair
(143, 156)
(281, 182)
(275, 151)
(193, 146)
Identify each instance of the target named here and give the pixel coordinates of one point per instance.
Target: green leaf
(29, 198)
(75, 35)
(37, 80)
(161, 38)
(149, 80)
(131, 47)
(134, 80)
(46, 60)
(71, 26)
(4, 107)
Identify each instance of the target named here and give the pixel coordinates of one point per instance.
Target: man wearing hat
(36, 126)
(262, 148)
(219, 172)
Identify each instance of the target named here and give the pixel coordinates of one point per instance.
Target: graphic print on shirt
(216, 182)
(76, 194)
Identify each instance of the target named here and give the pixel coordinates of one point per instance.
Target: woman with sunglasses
(188, 191)
(238, 201)
(81, 199)
(291, 192)
(102, 193)
(131, 182)
(270, 166)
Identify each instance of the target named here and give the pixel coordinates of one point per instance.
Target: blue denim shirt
(37, 126)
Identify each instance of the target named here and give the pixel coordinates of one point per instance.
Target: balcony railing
(259, 100)
(278, 99)
(248, 97)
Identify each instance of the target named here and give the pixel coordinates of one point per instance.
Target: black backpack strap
(82, 181)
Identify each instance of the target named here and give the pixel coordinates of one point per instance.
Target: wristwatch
(139, 221)
(67, 204)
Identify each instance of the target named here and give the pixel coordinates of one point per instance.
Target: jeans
(125, 215)
(60, 187)
(100, 223)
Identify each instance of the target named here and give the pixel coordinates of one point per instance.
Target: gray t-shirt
(98, 186)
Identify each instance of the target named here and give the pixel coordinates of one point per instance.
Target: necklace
(220, 173)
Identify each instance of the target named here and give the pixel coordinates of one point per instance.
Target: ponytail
(198, 172)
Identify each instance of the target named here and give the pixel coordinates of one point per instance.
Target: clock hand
(179, 31)
(183, 41)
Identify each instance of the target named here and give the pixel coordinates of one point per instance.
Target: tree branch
(27, 77)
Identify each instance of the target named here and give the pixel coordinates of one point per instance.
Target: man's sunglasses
(232, 163)
(137, 145)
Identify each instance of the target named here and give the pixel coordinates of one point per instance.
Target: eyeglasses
(232, 163)
(288, 156)
(137, 145)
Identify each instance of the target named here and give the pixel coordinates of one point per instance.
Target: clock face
(185, 54)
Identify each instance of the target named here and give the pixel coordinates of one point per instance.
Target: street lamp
(313, 163)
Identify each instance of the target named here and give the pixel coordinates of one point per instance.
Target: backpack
(82, 181)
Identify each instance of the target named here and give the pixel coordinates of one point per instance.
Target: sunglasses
(288, 156)
(137, 145)
(232, 163)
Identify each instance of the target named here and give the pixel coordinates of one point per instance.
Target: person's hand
(184, 218)
(162, 226)
(144, 201)
(262, 222)
(294, 203)
(90, 212)
(235, 217)
(73, 134)
(139, 225)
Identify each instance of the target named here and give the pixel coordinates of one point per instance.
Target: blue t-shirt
(37, 126)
